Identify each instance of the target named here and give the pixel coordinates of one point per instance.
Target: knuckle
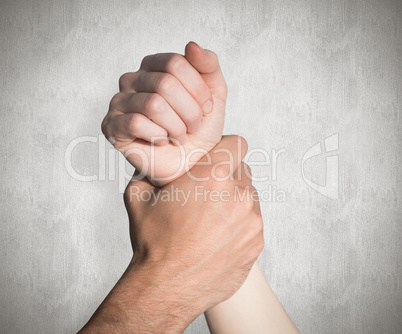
(176, 63)
(135, 122)
(125, 80)
(116, 100)
(104, 125)
(220, 173)
(145, 61)
(153, 103)
(165, 82)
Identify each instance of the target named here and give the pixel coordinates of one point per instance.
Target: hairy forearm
(253, 309)
(141, 302)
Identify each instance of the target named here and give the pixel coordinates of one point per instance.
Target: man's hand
(205, 227)
(169, 113)
(190, 253)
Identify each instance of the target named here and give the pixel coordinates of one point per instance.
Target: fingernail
(195, 128)
(207, 107)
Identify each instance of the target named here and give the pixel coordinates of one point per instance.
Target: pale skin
(178, 103)
(165, 97)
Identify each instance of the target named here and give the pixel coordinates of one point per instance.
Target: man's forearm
(141, 302)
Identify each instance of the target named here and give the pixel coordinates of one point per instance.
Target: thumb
(223, 160)
(207, 64)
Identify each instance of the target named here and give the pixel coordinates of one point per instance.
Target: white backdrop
(298, 72)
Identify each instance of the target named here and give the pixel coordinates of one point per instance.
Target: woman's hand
(169, 113)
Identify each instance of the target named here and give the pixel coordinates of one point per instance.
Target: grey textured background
(297, 71)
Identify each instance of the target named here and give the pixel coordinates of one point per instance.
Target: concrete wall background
(298, 72)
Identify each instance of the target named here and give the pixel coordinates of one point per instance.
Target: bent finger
(178, 66)
(156, 108)
(128, 127)
(172, 90)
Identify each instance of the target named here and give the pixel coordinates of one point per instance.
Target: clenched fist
(169, 113)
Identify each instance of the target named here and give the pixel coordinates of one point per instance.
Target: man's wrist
(144, 301)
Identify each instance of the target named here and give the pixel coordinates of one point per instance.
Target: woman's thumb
(207, 64)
